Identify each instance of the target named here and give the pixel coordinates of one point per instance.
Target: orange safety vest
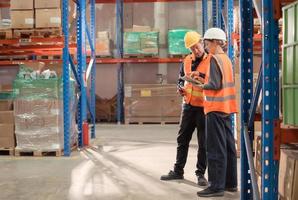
(194, 95)
(223, 100)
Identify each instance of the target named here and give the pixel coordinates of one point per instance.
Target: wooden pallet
(139, 56)
(6, 151)
(37, 32)
(12, 58)
(152, 120)
(45, 57)
(38, 153)
(104, 56)
(177, 55)
(5, 34)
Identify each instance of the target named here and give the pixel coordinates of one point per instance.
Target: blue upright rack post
(270, 98)
(205, 15)
(93, 71)
(219, 18)
(81, 57)
(246, 65)
(119, 44)
(66, 76)
(214, 13)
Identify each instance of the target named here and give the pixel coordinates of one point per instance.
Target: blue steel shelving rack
(81, 72)
(268, 81)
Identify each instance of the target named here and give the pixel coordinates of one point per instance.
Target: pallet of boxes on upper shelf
(38, 18)
(141, 42)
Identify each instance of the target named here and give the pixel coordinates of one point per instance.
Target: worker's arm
(180, 82)
(215, 77)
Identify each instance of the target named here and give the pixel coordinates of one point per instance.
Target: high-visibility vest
(193, 94)
(224, 99)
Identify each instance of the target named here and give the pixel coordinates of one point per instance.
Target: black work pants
(192, 117)
(221, 151)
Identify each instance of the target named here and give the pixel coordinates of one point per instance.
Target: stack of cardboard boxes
(38, 112)
(141, 40)
(157, 103)
(103, 44)
(288, 174)
(22, 14)
(7, 138)
(38, 13)
(47, 13)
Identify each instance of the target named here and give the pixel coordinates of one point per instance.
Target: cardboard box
(5, 105)
(21, 4)
(103, 47)
(6, 117)
(38, 107)
(288, 174)
(137, 28)
(103, 35)
(22, 19)
(152, 102)
(47, 18)
(7, 138)
(47, 4)
(37, 124)
(7, 142)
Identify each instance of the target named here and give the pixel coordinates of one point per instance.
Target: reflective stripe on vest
(194, 92)
(221, 99)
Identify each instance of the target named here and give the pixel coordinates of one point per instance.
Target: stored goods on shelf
(152, 103)
(103, 44)
(176, 42)
(39, 111)
(290, 65)
(47, 18)
(22, 18)
(7, 138)
(141, 42)
(47, 4)
(288, 174)
(21, 4)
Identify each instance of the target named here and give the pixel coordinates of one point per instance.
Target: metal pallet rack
(82, 73)
(119, 44)
(268, 82)
(79, 68)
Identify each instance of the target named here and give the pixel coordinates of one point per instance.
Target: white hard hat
(215, 34)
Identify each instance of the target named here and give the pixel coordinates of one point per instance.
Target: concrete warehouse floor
(125, 164)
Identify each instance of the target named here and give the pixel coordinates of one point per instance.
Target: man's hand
(181, 91)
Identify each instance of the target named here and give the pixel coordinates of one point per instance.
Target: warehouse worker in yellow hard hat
(192, 110)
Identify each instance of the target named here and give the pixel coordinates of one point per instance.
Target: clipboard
(192, 81)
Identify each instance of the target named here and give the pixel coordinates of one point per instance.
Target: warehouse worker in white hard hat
(219, 105)
(192, 110)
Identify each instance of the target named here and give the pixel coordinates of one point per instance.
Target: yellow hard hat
(191, 38)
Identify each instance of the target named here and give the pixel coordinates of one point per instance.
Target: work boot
(208, 192)
(202, 180)
(171, 176)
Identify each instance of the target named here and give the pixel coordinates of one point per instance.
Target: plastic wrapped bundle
(141, 43)
(176, 42)
(132, 43)
(39, 112)
(149, 43)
